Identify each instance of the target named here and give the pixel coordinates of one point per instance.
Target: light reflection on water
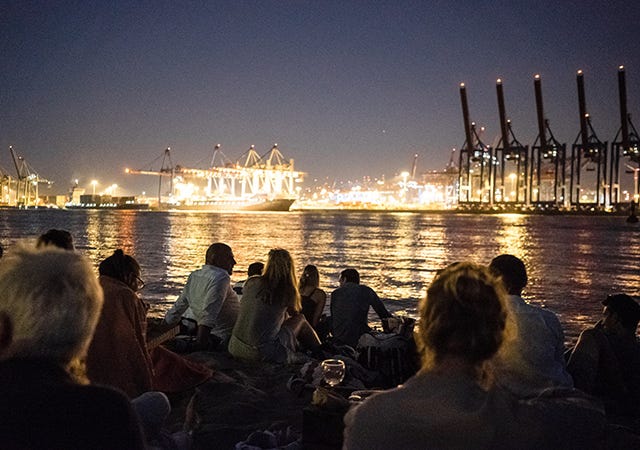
(573, 261)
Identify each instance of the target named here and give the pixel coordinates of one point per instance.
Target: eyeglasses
(140, 282)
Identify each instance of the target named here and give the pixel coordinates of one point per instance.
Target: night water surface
(573, 261)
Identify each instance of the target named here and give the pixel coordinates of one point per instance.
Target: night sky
(346, 88)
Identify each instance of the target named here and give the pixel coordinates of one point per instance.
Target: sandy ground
(240, 398)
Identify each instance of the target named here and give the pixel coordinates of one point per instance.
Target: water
(573, 261)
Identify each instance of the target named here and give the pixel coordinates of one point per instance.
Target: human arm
(174, 314)
(203, 336)
(377, 305)
(584, 360)
(136, 314)
(214, 295)
(560, 350)
(319, 299)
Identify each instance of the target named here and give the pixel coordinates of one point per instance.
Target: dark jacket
(350, 310)
(42, 407)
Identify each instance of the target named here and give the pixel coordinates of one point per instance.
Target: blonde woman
(312, 297)
(270, 325)
(451, 403)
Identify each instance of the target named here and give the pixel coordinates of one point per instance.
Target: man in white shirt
(208, 297)
(532, 356)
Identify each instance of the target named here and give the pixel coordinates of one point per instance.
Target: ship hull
(278, 204)
(137, 206)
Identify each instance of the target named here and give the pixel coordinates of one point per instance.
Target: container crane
(166, 170)
(261, 179)
(6, 182)
(28, 182)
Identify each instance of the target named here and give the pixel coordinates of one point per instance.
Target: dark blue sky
(347, 88)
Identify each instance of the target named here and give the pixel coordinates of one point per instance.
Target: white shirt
(209, 298)
(532, 358)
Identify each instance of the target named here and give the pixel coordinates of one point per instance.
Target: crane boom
(15, 162)
(162, 173)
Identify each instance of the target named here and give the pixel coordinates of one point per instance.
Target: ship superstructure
(262, 183)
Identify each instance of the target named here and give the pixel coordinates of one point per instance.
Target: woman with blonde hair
(270, 325)
(312, 297)
(451, 403)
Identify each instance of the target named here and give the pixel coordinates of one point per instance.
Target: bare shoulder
(318, 295)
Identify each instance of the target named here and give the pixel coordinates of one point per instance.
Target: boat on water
(105, 202)
(261, 183)
(235, 204)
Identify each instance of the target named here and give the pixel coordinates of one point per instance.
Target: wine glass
(333, 371)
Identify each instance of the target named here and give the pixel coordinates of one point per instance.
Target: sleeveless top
(308, 306)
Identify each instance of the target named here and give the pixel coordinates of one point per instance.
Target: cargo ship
(249, 204)
(104, 202)
(260, 183)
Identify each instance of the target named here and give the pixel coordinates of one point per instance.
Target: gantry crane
(27, 188)
(269, 175)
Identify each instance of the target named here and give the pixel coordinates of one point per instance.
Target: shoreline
(489, 211)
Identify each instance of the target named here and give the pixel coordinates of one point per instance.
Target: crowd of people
(495, 372)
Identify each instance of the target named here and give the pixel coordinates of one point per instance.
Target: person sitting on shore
(119, 355)
(605, 361)
(532, 359)
(312, 297)
(254, 270)
(451, 403)
(350, 309)
(270, 326)
(209, 299)
(49, 307)
(58, 238)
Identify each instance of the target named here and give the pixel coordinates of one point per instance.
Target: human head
(51, 301)
(255, 268)
(122, 267)
(280, 275)
(310, 277)
(625, 309)
(463, 315)
(512, 271)
(59, 238)
(349, 276)
(220, 255)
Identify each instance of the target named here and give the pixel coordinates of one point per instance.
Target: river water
(573, 261)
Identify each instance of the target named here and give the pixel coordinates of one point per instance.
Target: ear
(6, 332)
(131, 281)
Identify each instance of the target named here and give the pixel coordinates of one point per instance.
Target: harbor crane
(6, 183)
(28, 182)
(269, 175)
